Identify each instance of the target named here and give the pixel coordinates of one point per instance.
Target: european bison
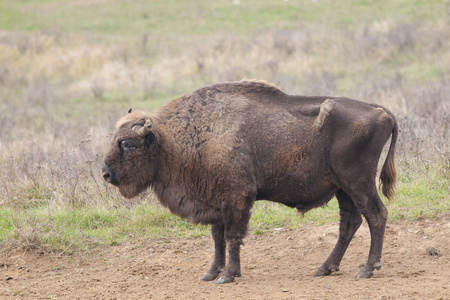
(211, 154)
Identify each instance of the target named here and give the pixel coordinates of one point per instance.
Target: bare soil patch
(415, 264)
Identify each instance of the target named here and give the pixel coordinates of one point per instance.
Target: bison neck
(182, 187)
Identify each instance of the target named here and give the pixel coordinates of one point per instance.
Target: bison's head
(131, 162)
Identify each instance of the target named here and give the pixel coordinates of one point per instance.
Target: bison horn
(143, 131)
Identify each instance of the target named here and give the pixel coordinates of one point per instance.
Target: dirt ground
(280, 265)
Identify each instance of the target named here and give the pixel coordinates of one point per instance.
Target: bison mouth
(127, 188)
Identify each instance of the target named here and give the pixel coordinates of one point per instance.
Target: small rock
(433, 252)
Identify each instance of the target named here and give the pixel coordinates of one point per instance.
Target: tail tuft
(388, 176)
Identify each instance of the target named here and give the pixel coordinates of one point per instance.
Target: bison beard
(211, 154)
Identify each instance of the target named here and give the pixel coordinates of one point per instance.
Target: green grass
(84, 228)
(423, 197)
(201, 17)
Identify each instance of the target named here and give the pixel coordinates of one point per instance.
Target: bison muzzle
(209, 155)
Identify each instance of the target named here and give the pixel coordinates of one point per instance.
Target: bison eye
(127, 146)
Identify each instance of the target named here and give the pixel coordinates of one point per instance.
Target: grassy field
(69, 69)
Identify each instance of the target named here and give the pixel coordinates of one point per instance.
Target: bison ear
(129, 111)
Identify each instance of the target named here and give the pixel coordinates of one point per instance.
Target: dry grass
(62, 94)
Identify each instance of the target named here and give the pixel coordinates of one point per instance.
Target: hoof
(209, 276)
(364, 274)
(224, 279)
(321, 271)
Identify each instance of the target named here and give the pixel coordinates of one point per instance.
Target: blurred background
(70, 68)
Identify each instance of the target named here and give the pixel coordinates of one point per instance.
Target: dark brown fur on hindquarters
(209, 155)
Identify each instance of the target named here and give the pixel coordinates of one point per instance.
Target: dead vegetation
(62, 95)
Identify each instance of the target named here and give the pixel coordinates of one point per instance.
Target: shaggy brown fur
(211, 154)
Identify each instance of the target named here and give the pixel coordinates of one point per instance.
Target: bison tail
(388, 175)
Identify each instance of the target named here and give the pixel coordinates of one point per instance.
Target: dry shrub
(42, 169)
(30, 235)
(52, 145)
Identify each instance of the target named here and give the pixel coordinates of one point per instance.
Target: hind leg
(368, 202)
(376, 215)
(350, 220)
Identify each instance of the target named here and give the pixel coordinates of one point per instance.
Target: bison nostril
(107, 176)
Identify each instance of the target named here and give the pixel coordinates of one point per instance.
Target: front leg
(235, 231)
(218, 264)
(236, 217)
(234, 263)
